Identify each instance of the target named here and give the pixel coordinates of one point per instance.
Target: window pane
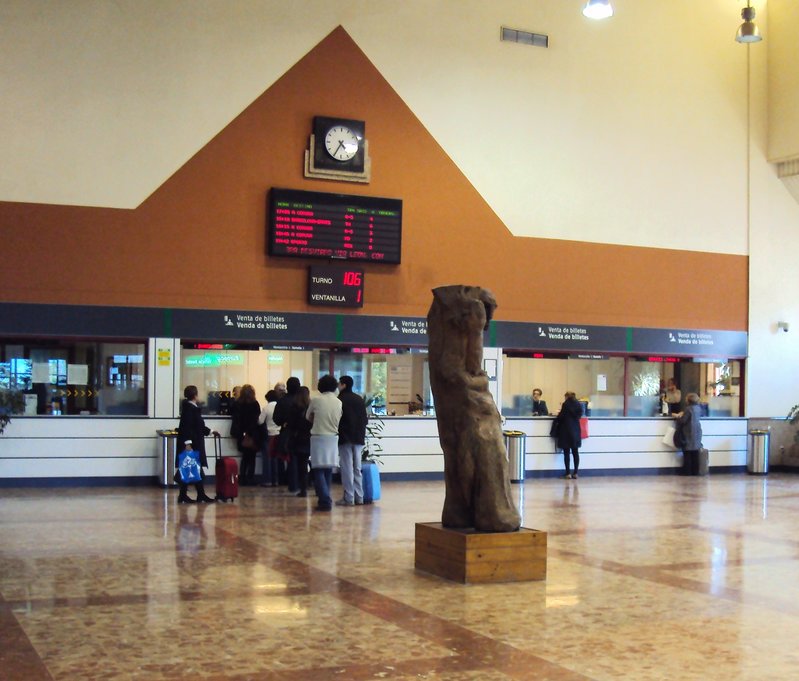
(216, 371)
(76, 377)
(646, 382)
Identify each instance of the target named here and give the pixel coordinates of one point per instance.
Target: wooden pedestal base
(472, 557)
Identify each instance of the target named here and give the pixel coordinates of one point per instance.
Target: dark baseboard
(149, 481)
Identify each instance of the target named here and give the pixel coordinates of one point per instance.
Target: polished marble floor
(648, 578)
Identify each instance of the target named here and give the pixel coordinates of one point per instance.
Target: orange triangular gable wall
(199, 240)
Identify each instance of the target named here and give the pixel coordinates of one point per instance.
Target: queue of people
(294, 430)
(291, 432)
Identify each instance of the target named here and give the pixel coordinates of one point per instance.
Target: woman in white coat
(324, 415)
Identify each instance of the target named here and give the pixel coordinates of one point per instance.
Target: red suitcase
(227, 473)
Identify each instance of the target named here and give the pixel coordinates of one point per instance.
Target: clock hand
(340, 145)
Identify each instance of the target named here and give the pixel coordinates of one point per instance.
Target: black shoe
(302, 494)
(324, 507)
(205, 499)
(186, 500)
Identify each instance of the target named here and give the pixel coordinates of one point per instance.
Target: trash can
(757, 453)
(168, 441)
(515, 446)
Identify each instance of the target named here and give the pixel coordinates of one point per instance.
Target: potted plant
(793, 418)
(11, 402)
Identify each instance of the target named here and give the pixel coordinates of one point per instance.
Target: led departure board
(316, 225)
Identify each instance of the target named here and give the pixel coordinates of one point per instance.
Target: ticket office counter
(89, 444)
(411, 448)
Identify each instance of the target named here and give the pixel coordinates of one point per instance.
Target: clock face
(341, 143)
(338, 145)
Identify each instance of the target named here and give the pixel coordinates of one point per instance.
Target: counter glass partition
(620, 386)
(598, 381)
(395, 381)
(62, 377)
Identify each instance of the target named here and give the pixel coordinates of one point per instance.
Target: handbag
(189, 467)
(668, 438)
(679, 438)
(583, 428)
(285, 443)
(248, 442)
(553, 429)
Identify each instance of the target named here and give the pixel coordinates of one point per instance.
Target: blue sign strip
(22, 319)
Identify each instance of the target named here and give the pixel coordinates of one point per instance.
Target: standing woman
(191, 435)
(248, 436)
(673, 397)
(269, 432)
(569, 439)
(687, 423)
(324, 415)
(300, 430)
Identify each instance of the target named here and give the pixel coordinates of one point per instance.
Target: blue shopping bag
(189, 467)
(371, 482)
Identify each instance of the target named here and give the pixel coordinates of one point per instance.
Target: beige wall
(615, 134)
(106, 104)
(783, 80)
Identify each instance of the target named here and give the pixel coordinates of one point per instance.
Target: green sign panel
(213, 359)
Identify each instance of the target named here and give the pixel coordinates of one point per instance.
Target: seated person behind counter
(539, 406)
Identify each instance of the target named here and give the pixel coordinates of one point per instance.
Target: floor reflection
(648, 578)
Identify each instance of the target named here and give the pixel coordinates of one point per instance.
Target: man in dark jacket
(351, 438)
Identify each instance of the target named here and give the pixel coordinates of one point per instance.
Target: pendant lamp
(598, 9)
(748, 31)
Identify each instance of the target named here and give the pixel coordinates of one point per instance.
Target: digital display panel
(316, 225)
(335, 286)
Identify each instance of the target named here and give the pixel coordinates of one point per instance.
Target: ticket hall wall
(198, 242)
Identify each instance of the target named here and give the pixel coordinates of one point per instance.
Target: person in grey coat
(689, 433)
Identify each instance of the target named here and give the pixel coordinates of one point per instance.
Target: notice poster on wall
(40, 372)
(399, 380)
(77, 374)
(601, 383)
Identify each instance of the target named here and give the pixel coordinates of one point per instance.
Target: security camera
(783, 325)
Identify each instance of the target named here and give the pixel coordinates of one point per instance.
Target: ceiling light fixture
(748, 31)
(598, 9)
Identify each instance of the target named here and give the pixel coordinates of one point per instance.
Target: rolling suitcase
(227, 473)
(704, 462)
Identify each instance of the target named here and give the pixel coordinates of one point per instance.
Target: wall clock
(338, 150)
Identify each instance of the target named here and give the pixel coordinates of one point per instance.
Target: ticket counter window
(720, 388)
(217, 368)
(76, 378)
(394, 381)
(597, 381)
(646, 381)
(718, 384)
